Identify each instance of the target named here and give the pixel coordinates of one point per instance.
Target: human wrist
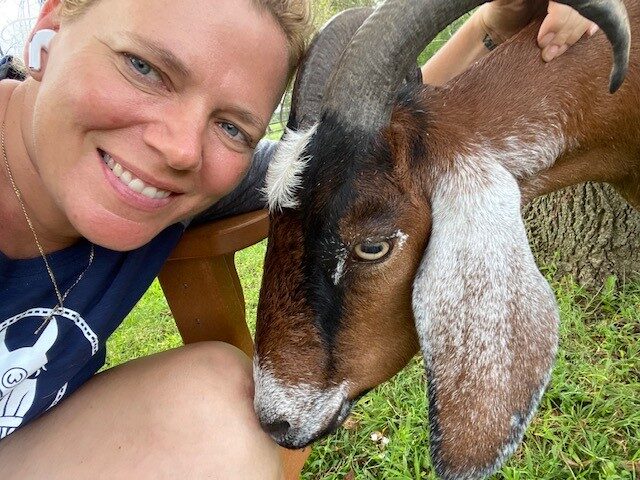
(457, 54)
(490, 37)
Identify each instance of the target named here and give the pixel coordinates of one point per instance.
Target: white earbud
(40, 41)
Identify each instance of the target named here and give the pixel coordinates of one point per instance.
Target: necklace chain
(59, 295)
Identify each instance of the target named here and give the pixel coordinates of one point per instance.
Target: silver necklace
(59, 306)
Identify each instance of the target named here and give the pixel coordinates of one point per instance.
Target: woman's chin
(118, 236)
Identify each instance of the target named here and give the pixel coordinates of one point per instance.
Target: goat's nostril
(278, 430)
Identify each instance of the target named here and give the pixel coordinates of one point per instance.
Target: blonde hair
(293, 17)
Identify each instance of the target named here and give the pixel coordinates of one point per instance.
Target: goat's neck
(551, 125)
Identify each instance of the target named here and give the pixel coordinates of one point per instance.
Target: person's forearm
(463, 49)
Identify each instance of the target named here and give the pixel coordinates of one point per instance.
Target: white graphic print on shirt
(19, 370)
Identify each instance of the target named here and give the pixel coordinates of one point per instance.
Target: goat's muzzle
(297, 415)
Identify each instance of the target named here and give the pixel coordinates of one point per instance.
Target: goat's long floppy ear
(487, 322)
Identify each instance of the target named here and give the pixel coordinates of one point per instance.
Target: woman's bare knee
(188, 411)
(209, 387)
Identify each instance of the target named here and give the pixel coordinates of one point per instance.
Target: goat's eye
(372, 251)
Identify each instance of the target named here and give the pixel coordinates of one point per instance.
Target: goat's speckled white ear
(487, 322)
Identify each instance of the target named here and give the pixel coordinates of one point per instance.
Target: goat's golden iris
(371, 251)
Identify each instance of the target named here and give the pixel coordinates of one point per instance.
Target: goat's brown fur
(569, 93)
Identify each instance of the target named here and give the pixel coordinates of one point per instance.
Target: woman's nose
(179, 137)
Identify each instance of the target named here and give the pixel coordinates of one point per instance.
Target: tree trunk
(587, 231)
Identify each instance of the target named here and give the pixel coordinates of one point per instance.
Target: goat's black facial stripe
(338, 155)
(409, 98)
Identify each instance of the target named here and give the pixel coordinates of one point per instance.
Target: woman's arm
(495, 22)
(462, 50)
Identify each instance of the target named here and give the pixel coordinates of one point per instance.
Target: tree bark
(587, 231)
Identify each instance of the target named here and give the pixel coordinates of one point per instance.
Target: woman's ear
(37, 48)
(487, 322)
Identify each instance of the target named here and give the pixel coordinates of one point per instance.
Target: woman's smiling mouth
(131, 181)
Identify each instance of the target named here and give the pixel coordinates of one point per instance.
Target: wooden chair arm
(202, 268)
(223, 237)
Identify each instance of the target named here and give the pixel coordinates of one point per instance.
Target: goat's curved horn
(363, 87)
(611, 16)
(321, 58)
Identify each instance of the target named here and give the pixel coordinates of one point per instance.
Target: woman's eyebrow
(165, 56)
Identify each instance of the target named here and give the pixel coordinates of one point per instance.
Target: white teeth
(134, 183)
(149, 191)
(126, 177)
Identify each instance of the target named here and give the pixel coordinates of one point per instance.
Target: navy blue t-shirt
(42, 363)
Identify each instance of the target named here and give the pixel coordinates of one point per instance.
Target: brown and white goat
(396, 224)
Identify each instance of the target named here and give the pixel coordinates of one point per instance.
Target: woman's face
(149, 110)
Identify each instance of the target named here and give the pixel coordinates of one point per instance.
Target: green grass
(588, 425)
(148, 329)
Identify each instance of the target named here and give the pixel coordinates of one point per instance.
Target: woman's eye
(370, 251)
(143, 68)
(140, 65)
(230, 129)
(233, 132)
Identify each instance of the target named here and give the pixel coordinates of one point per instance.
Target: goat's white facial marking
(307, 409)
(342, 254)
(284, 176)
(401, 238)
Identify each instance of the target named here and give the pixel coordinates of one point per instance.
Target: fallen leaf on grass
(350, 423)
(380, 439)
